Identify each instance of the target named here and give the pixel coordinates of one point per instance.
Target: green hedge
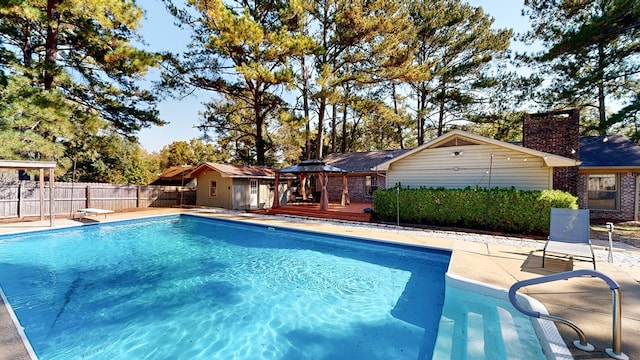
(507, 210)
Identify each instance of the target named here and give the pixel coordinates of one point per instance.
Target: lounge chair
(569, 235)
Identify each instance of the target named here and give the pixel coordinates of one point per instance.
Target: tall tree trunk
(27, 48)
(602, 123)
(334, 127)
(51, 45)
(441, 105)
(260, 148)
(422, 100)
(343, 145)
(398, 124)
(305, 108)
(321, 110)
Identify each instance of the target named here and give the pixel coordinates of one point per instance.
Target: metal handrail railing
(615, 351)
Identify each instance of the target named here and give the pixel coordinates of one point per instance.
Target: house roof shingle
(361, 162)
(174, 175)
(237, 171)
(616, 151)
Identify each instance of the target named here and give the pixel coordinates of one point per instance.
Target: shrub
(501, 209)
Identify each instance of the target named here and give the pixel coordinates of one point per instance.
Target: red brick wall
(627, 199)
(356, 187)
(556, 133)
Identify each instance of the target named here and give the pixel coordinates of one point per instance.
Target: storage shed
(236, 187)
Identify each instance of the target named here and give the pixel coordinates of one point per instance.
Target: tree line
(297, 79)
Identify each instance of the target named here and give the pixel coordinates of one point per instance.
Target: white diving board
(93, 211)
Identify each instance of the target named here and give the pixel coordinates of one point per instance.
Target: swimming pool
(186, 287)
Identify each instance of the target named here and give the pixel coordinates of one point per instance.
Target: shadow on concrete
(533, 264)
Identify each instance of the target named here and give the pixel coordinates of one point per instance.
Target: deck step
(315, 213)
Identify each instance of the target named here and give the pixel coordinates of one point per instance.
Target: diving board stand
(92, 211)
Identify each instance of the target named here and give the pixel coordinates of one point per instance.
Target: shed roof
(174, 175)
(236, 171)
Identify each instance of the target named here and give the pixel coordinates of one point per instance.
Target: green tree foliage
(111, 158)
(241, 50)
(69, 73)
(362, 45)
(456, 41)
(497, 112)
(193, 152)
(591, 52)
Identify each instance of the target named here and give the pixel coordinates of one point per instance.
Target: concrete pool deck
(498, 261)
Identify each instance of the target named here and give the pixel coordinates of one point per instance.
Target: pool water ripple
(193, 288)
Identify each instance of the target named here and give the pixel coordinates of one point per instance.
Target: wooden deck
(352, 212)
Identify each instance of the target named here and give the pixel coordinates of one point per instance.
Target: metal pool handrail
(582, 344)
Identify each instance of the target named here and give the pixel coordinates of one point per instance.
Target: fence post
(41, 180)
(19, 200)
(138, 192)
(88, 196)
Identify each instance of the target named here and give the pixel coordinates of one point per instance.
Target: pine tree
(362, 46)
(591, 52)
(241, 50)
(456, 42)
(70, 72)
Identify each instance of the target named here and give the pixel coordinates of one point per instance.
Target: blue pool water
(194, 288)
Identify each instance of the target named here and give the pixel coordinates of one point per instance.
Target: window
(213, 189)
(603, 192)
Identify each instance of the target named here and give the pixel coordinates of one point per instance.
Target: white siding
(438, 167)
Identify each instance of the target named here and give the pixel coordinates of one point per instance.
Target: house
(460, 159)
(236, 187)
(602, 171)
(176, 176)
(609, 177)
(363, 176)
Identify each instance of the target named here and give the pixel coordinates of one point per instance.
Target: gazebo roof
(311, 166)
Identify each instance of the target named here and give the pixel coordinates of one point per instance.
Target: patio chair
(569, 235)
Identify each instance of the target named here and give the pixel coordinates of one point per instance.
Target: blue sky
(182, 114)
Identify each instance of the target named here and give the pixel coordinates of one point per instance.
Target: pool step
(472, 330)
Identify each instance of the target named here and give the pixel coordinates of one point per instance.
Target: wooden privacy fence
(22, 199)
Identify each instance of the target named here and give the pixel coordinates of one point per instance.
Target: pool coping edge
(19, 328)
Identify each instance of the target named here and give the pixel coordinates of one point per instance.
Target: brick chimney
(558, 133)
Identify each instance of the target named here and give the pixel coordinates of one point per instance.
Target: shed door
(253, 193)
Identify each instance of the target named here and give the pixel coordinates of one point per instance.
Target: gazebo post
(324, 197)
(276, 196)
(345, 191)
(303, 190)
(41, 184)
(52, 211)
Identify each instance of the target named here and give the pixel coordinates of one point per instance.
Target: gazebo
(317, 167)
(39, 165)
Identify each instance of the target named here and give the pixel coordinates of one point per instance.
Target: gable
(456, 141)
(236, 171)
(471, 165)
(458, 138)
